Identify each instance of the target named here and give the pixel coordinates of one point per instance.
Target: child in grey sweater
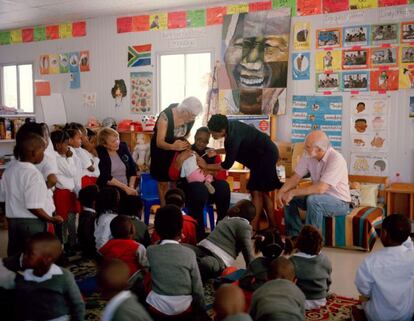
(279, 299)
(312, 268)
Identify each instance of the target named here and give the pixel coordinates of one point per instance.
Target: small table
(400, 188)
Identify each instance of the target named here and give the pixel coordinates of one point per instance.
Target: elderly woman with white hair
(329, 194)
(173, 123)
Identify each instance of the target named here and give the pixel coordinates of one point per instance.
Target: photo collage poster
(369, 132)
(317, 113)
(253, 77)
(141, 92)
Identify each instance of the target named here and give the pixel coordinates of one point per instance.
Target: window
(17, 87)
(184, 75)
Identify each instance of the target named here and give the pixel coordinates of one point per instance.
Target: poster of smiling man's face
(255, 56)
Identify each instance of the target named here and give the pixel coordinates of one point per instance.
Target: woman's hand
(182, 157)
(180, 145)
(131, 191)
(201, 162)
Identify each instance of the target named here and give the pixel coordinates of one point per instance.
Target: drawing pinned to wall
(356, 36)
(63, 63)
(141, 92)
(384, 57)
(301, 33)
(328, 38)
(384, 33)
(118, 92)
(355, 59)
(158, 21)
(411, 113)
(53, 64)
(355, 80)
(362, 4)
(42, 88)
(308, 7)
(44, 64)
(74, 80)
(406, 77)
(370, 165)
(177, 19)
(140, 23)
(384, 80)
(301, 66)
(196, 18)
(74, 62)
(255, 54)
(84, 61)
(139, 55)
(328, 60)
(407, 31)
(89, 100)
(317, 112)
(406, 54)
(329, 6)
(328, 82)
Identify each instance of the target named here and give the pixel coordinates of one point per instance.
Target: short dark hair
(121, 227)
(90, 133)
(107, 199)
(217, 123)
(168, 222)
(203, 129)
(309, 240)
(398, 227)
(24, 130)
(244, 209)
(269, 243)
(175, 196)
(27, 143)
(131, 206)
(88, 195)
(58, 137)
(361, 119)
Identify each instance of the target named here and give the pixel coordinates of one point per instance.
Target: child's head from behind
(309, 240)
(88, 195)
(269, 243)
(229, 300)
(122, 228)
(282, 268)
(112, 277)
(42, 250)
(107, 200)
(30, 147)
(131, 206)
(396, 229)
(60, 141)
(244, 209)
(175, 197)
(92, 136)
(168, 222)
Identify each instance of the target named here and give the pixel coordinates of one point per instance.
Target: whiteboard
(53, 107)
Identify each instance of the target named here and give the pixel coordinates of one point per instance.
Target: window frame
(17, 64)
(178, 52)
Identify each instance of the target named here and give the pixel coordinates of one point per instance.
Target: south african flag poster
(139, 55)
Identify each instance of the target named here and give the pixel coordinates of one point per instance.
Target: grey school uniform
(278, 300)
(239, 317)
(125, 307)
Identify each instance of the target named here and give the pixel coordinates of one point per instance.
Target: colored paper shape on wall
(329, 6)
(52, 32)
(84, 61)
(141, 92)
(237, 8)
(42, 88)
(381, 57)
(28, 35)
(327, 82)
(139, 55)
(74, 62)
(65, 30)
(387, 3)
(16, 36)
(355, 80)
(407, 31)
(39, 33)
(382, 80)
(124, 24)
(384, 33)
(356, 36)
(177, 19)
(285, 4)
(54, 64)
(196, 18)
(328, 60)
(308, 7)
(140, 23)
(74, 80)
(44, 64)
(362, 4)
(406, 54)
(79, 29)
(301, 33)
(301, 66)
(64, 63)
(355, 58)
(328, 38)
(215, 15)
(158, 21)
(406, 77)
(4, 37)
(259, 6)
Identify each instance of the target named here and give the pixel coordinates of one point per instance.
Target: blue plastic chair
(149, 194)
(208, 213)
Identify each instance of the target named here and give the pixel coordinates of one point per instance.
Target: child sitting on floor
(312, 268)
(229, 304)
(270, 244)
(123, 305)
(48, 292)
(231, 236)
(279, 298)
(107, 204)
(386, 277)
(122, 245)
(177, 290)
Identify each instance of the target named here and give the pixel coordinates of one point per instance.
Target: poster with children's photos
(141, 92)
(381, 57)
(355, 59)
(328, 82)
(356, 36)
(407, 31)
(369, 130)
(328, 38)
(384, 33)
(301, 66)
(355, 80)
(370, 165)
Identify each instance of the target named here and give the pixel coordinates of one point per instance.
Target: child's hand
(57, 219)
(69, 153)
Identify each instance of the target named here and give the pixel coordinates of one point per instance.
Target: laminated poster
(261, 123)
(317, 113)
(382, 80)
(369, 165)
(407, 31)
(406, 78)
(141, 92)
(384, 33)
(406, 55)
(328, 81)
(384, 57)
(355, 58)
(356, 36)
(355, 80)
(328, 38)
(301, 66)
(302, 35)
(328, 60)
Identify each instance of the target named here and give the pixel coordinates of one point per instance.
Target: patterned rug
(338, 308)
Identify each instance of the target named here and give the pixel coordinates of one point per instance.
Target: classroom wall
(108, 61)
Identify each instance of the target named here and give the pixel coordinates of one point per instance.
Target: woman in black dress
(173, 123)
(255, 150)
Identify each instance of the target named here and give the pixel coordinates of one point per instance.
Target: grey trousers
(20, 230)
(209, 264)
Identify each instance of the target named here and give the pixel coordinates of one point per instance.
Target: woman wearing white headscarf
(173, 123)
